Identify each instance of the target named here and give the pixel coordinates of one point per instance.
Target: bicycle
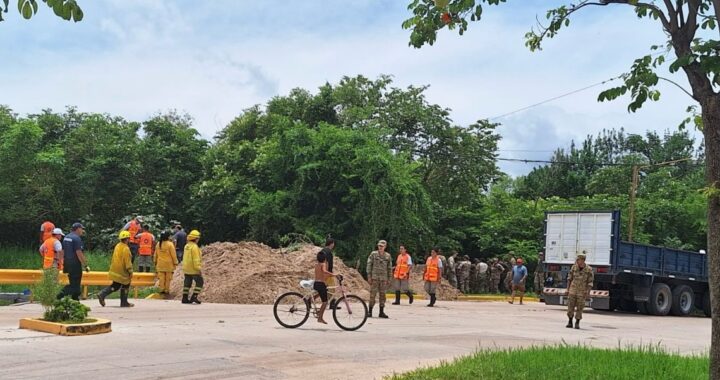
(292, 309)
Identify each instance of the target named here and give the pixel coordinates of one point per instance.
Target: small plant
(45, 291)
(67, 310)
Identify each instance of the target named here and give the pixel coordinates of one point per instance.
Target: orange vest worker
(145, 243)
(49, 254)
(402, 267)
(133, 230)
(431, 269)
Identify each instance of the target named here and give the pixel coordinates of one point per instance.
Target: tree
(65, 9)
(695, 54)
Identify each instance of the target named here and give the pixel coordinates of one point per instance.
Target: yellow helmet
(124, 235)
(194, 235)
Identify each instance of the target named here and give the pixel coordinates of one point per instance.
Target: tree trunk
(711, 130)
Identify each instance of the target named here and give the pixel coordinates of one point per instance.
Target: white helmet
(58, 231)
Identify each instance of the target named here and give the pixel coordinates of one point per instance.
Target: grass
(567, 362)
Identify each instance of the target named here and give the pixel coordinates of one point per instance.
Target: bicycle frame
(312, 294)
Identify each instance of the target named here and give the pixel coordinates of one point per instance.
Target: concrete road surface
(168, 340)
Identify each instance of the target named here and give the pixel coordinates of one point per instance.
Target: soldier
(451, 269)
(474, 276)
(483, 277)
(379, 271)
(539, 279)
(464, 275)
(496, 270)
(580, 281)
(508, 275)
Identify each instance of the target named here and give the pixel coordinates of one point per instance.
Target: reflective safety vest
(133, 230)
(49, 256)
(401, 267)
(145, 243)
(431, 269)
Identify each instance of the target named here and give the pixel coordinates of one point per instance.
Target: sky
(213, 59)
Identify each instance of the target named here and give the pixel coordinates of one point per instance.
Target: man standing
(580, 282)
(452, 264)
(46, 231)
(121, 271)
(327, 251)
(474, 276)
(519, 275)
(51, 251)
(180, 238)
(133, 227)
(463, 271)
(496, 270)
(379, 268)
(146, 246)
(403, 266)
(432, 275)
(508, 275)
(539, 278)
(192, 266)
(74, 262)
(483, 278)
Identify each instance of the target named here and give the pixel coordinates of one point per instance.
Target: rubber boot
(577, 324)
(382, 313)
(410, 296)
(124, 298)
(194, 299)
(433, 299)
(369, 314)
(185, 299)
(104, 293)
(397, 298)
(569, 325)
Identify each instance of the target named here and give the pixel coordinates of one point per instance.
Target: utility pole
(634, 186)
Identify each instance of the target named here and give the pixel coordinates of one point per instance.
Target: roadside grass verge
(567, 362)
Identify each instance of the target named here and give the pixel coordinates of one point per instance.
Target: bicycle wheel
(352, 313)
(291, 310)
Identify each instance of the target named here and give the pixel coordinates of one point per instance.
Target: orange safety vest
(133, 230)
(49, 256)
(145, 243)
(402, 267)
(47, 229)
(431, 269)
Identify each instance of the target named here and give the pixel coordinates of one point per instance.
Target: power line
(528, 161)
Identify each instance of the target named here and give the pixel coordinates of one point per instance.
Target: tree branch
(678, 86)
(672, 15)
(716, 7)
(661, 14)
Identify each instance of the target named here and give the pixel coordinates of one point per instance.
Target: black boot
(369, 314)
(577, 324)
(434, 298)
(569, 325)
(194, 299)
(397, 298)
(185, 299)
(124, 298)
(432, 301)
(410, 296)
(382, 313)
(104, 293)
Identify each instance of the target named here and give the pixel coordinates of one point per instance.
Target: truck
(629, 276)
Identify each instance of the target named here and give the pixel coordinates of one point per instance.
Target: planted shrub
(67, 310)
(45, 291)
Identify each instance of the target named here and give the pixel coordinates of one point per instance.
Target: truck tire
(683, 299)
(660, 299)
(643, 308)
(706, 304)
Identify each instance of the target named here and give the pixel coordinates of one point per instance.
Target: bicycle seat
(307, 284)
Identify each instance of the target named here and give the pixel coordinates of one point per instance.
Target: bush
(67, 310)
(45, 291)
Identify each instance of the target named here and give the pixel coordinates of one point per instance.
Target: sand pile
(444, 293)
(253, 273)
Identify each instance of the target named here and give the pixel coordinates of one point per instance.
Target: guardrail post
(136, 292)
(85, 292)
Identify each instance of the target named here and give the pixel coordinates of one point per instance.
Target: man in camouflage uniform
(483, 277)
(452, 266)
(580, 281)
(443, 260)
(379, 271)
(496, 270)
(463, 274)
(539, 279)
(508, 275)
(474, 277)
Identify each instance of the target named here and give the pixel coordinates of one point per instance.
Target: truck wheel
(642, 306)
(660, 299)
(683, 299)
(706, 304)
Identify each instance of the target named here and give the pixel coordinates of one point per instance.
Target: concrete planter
(100, 326)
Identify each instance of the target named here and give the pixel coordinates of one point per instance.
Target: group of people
(136, 245)
(494, 276)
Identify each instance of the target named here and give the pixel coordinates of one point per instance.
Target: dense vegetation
(360, 160)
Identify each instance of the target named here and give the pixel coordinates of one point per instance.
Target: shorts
(431, 286)
(401, 285)
(144, 261)
(322, 290)
(518, 287)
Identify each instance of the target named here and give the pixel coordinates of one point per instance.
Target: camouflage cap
(581, 256)
(382, 242)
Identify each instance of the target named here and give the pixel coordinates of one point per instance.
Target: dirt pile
(444, 293)
(253, 273)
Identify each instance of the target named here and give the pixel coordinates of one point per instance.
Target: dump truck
(629, 276)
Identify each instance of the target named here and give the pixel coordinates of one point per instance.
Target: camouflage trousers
(452, 279)
(494, 284)
(378, 288)
(539, 282)
(576, 304)
(464, 284)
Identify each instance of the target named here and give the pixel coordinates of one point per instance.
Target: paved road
(168, 340)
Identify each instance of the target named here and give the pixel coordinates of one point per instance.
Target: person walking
(539, 277)
(180, 239)
(580, 282)
(146, 246)
(121, 271)
(46, 231)
(165, 261)
(519, 275)
(51, 251)
(432, 275)
(192, 268)
(133, 227)
(403, 268)
(74, 262)
(379, 271)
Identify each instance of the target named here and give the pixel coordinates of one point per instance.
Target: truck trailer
(629, 276)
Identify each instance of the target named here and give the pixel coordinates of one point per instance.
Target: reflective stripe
(431, 269)
(145, 240)
(401, 267)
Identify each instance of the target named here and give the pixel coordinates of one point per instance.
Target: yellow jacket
(192, 258)
(164, 258)
(121, 268)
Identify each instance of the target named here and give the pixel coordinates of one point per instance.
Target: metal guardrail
(29, 277)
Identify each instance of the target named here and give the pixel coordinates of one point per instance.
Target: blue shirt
(519, 271)
(180, 240)
(72, 243)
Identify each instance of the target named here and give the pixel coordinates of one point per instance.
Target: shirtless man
(321, 274)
